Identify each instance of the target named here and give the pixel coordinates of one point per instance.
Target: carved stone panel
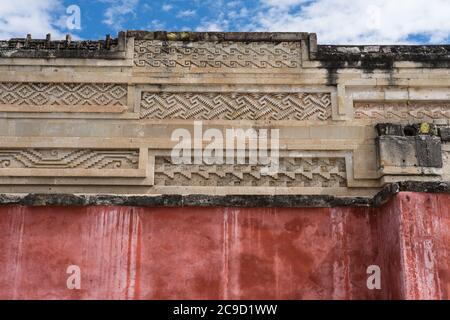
(76, 97)
(68, 159)
(236, 106)
(397, 111)
(293, 172)
(157, 55)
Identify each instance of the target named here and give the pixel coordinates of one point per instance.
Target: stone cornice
(244, 201)
(382, 57)
(218, 36)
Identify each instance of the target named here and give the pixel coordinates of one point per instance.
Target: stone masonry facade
(96, 117)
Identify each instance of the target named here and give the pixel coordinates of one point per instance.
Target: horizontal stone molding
(236, 106)
(401, 111)
(218, 36)
(203, 200)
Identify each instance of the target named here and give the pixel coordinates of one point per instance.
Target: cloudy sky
(335, 21)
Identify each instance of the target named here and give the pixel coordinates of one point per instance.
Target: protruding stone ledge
(382, 57)
(218, 36)
(409, 186)
(409, 150)
(244, 201)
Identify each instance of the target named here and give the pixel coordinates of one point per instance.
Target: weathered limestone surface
(97, 116)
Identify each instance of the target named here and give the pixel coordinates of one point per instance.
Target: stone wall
(129, 252)
(97, 116)
(88, 177)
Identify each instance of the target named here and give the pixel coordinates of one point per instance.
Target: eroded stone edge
(244, 201)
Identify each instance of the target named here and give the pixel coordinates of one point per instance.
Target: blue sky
(173, 15)
(335, 21)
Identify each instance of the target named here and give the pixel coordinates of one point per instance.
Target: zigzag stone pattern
(228, 55)
(236, 106)
(293, 172)
(415, 110)
(69, 159)
(63, 94)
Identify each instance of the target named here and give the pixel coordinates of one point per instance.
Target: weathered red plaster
(227, 253)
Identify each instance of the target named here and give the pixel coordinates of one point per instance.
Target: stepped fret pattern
(63, 94)
(293, 172)
(69, 159)
(236, 106)
(228, 55)
(424, 111)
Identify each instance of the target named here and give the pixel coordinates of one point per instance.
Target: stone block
(396, 151)
(416, 151)
(389, 129)
(429, 151)
(445, 134)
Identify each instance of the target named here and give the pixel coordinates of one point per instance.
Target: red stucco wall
(227, 253)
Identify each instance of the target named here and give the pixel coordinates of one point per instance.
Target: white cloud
(186, 13)
(119, 12)
(241, 13)
(146, 7)
(20, 17)
(358, 21)
(335, 21)
(167, 7)
(209, 26)
(233, 4)
(220, 23)
(156, 25)
(284, 3)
